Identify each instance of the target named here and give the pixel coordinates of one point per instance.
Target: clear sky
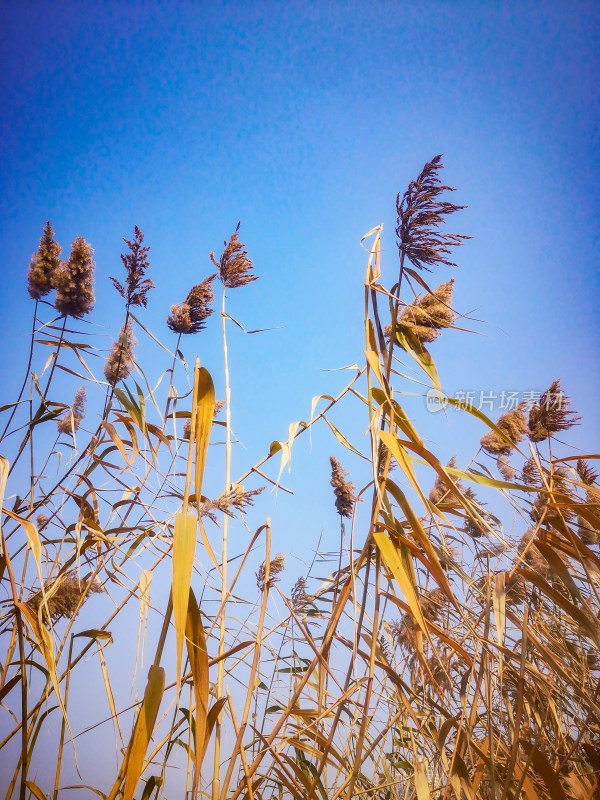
(303, 120)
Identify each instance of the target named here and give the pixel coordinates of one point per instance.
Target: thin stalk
(23, 726)
(221, 670)
(240, 734)
(172, 372)
(62, 727)
(25, 379)
(29, 434)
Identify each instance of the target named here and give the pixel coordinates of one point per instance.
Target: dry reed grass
(442, 657)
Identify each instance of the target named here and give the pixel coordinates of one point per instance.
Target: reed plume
(513, 424)
(66, 594)
(429, 314)
(420, 214)
(236, 499)
(234, 265)
(136, 263)
(506, 469)
(440, 491)
(191, 315)
(74, 281)
(343, 489)
(72, 419)
(276, 566)
(119, 363)
(550, 415)
(43, 265)
(300, 599)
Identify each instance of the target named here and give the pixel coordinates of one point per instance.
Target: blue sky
(303, 120)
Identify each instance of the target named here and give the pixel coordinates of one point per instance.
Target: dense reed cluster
(449, 647)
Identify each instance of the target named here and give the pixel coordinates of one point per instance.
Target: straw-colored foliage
(449, 649)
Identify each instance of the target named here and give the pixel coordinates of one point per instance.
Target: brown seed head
(237, 498)
(506, 469)
(136, 263)
(234, 265)
(74, 281)
(298, 596)
(428, 315)
(440, 491)
(67, 592)
(43, 265)
(276, 566)
(119, 363)
(191, 315)
(586, 474)
(72, 419)
(343, 489)
(420, 215)
(513, 424)
(550, 415)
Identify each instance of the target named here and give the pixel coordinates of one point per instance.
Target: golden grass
(444, 657)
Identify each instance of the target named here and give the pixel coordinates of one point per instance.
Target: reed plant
(448, 654)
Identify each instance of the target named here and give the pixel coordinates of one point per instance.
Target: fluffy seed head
(440, 491)
(237, 498)
(513, 424)
(66, 594)
(119, 363)
(72, 419)
(428, 315)
(343, 489)
(550, 415)
(234, 265)
(420, 215)
(585, 472)
(276, 566)
(74, 281)
(298, 596)
(506, 469)
(43, 265)
(191, 315)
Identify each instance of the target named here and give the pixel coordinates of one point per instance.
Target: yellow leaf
(421, 782)
(33, 539)
(198, 656)
(184, 547)
(423, 539)
(373, 361)
(400, 564)
(110, 429)
(205, 408)
(142, 732)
